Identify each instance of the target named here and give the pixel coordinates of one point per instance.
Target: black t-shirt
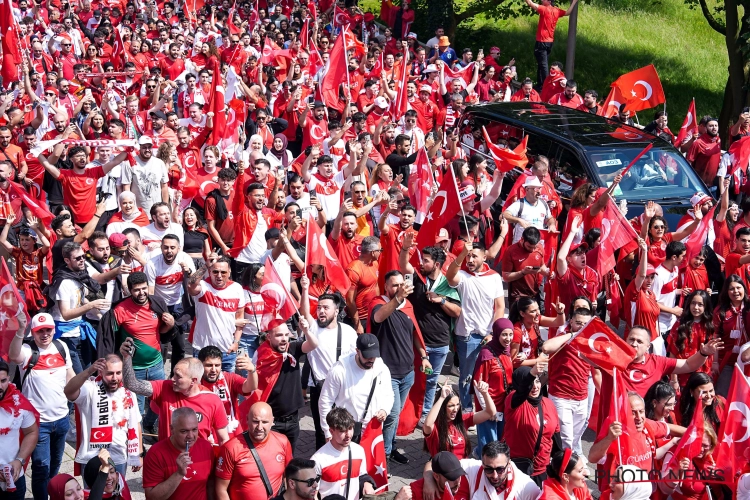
(57, 257)
(433, 321)
(194, 241)
(286, 396)
(396, 337)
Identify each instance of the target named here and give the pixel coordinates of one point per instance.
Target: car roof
(587, 129)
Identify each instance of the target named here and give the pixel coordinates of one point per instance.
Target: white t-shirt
(215, 315)
(331, 203)
(145, 179)
(45, 385)
(108, 184)
(118, 450)
(331, 464)
(478, 294)
(71, 294)
(167, 278)
(664, 286)
(254, 250)
(324, 356)
(304, 205)
(535, 215)
(10, 441)
(151, 233)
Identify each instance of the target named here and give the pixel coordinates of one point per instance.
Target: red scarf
(268, 368)
(244, 227)
(552, 489)
(140, 220)
(325, 185)
(13, 402)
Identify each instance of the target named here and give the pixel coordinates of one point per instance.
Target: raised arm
(403, 257)
(452, 274)
(314, 153)
(129, 380)
(642, 264)
(599, 204)
(570, 9)
(532, 5)
(73, 387)
(562, 255)
(688, 230)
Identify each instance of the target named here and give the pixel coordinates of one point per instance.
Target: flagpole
(460, 203)
(617, 411)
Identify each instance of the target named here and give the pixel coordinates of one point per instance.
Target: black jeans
(541, 53)
(179, 343)
(320, 437)
(288, 426)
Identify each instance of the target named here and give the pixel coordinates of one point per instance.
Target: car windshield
(658, 175)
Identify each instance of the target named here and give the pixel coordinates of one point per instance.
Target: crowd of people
(215, 214)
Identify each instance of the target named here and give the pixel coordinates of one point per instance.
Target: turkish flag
(12, 60)
(740, 151)
(15, 190)
(400, 105)
(11, 305)
(611, 105)
(353, 43)
(690, 443)
(217, 104)
(304, 35)
(641, 89)
(337, 71)
(320, 252)
(280, 305)
(616, 233)
(603, 347)
(464, 73)
(614, 406)
(341, 17)
(372, 443)
(101, 434)
(445, 206)
(698, 238)
(421, 182)
(689, 125)
(316, 61)
(505, 159)
(732, 452)
(268, 49)
(119, 54)
(629, 134)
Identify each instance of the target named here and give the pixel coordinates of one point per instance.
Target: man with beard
(590, 104)
(184, 389)
(302, 481)
(314, 125)
(79, 183)
(344, 238)
(159, 132)
(227, 385)
(106, 269)
(401, 159)
(445, 471)
(237, 472)
(384, 137)
(363, 274)
(45, 367)
(148, 178)
(705, 153)
(568, 98)
(161, 225)
(12, 153)
(279, 375)
(106, 415)
(436, 305)
(335, 339)
(332, 459)
(182, 466)
(392, 236)
(19, 417)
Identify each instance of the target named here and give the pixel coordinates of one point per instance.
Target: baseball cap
(381, 102)
(118, 240)
(447, 465)
(582, 245)
(272, 233)
(431, 68)
(40, 321)
(145, 140)
(412, 35)
(425, 88)
(532, 181)
(650, 270)
(442, 235)
(158, 114)
(368, 345)
(699, 199)
(318, 104)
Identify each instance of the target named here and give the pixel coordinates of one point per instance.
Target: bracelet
(97, 216)
(700, 351)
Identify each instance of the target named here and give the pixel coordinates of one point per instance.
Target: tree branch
(711, 19)
(472, 11)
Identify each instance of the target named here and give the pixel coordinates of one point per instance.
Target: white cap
(42, 320)
(145, 140)
(532, 181)
(431, 68)
(699, 199)
(425, 88)
(381, 102)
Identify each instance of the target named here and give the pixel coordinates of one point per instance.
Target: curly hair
(685, 328)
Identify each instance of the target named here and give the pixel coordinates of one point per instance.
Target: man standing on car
(545, 33)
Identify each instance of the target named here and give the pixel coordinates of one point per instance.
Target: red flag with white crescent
(506, 159)
(217, 104)
(641, 89)
(445, 206)
(689, 125)
(691, 442)
(732, 453)
(372, 443)
(279, 303)
(421, 182)
(616, 233)
(320, 252)
(337, 70)
(611, 105)
(603, 347)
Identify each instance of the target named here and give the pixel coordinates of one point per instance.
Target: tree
(446, 13)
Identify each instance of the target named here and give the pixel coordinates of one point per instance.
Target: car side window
(570, 172)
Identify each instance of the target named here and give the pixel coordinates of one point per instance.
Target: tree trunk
(737, 75)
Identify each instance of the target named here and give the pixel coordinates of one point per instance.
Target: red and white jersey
(215, 310)
(44, 387)
(664, 287)
(10, 432)
(195, 128)
(328, 192)
(332, 466)
(167, 278)
(186, 98)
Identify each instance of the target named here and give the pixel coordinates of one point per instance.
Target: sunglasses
(66, 44)
(490, 470)
(50, 94)
(79, 258)
(308, 482)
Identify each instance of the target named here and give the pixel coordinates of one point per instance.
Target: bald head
(259, 421)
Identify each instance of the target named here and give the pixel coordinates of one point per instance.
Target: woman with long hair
(700, 386)
(588, 201)
(725, 219)
(701, 465)
(656, 233)
(93, 125)
(566, 477)
(445, 426)
(197, 243)
(660, 403)
(527, 319)
(167, 153)
(382, 179)
(694, 328)
(639, 303)
(729, 320)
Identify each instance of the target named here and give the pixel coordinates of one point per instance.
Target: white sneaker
(420, 424)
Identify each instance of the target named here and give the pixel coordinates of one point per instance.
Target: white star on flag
(429, 216)
(633, 93)
(728, 439)
(379, 469)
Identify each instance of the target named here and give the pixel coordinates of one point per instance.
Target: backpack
(34, 359)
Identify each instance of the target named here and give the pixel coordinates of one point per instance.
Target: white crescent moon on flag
(375, 441)
(607, 227)
(593, 338)
(98, 434)
(632, 375)
(745, 411)
(280, 292)
(441, 194)
(316, 132)
(323, 244)
(647, 86)
(616, 104)
(689, 120)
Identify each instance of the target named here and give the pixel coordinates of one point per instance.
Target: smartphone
(313, 194)
(409, 279)
(310, 99)
(241, 351)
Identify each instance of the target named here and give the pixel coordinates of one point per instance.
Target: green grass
(617, 36)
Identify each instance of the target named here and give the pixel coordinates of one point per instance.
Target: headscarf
(633, 490)
(494, 347)
(281, 155)
(523, 382)
(56, 486)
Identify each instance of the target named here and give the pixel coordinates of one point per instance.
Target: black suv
(584, 147)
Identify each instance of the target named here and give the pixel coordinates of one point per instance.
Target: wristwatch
(442, 302)
(425, 357)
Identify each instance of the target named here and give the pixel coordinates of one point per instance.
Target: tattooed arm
(129, 380)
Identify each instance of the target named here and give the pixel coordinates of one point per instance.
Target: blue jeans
(487, 432)
(250, 344)
(437, 357)
(467, 349)
(76, 352)
(47, 456)
(156, 372)
(400, 388)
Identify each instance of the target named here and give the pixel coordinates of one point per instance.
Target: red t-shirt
(79, 192)
(224, 227)
(640, 376)
(641, 308)
(365, 284)
(161, 462)
(548, 17)
(463, 493)
(498, 373)
(347, 250)
(208, 406)
(516, 259)
(570, 286)
(229, 393)
(456, 439)
(527, 340)
(522, 430)
(568, 373)
(275, 453)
